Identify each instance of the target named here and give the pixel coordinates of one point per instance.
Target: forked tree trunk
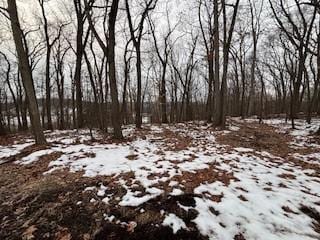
(109, 51)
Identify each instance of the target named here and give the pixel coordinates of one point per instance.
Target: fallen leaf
(131, 226)
(28, 234)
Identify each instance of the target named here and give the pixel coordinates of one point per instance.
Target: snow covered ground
(236, 190)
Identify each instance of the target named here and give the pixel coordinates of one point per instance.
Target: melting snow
(33, 157)
(174, 222)
(254, 205)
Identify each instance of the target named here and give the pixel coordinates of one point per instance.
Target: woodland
(160, 119)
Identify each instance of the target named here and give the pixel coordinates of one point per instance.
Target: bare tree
(49, 44)
(208, 39)
(255, 13)
(80, 46)
(11, 89)
(59, 67)
(136, 37)
(26, 73)
(163, 58)
(221, 89)
(298, 32)
(109, 51)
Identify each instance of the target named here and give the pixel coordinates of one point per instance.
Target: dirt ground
(33, 206)
(54, 206)
(37, 206)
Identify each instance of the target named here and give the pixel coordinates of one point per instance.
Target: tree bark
(216, 46)
(109, 50)
(116, 115)
(26, 74)
(79, 55)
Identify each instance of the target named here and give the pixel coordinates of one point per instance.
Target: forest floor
(182, 181)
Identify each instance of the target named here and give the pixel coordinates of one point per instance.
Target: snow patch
(174, 222)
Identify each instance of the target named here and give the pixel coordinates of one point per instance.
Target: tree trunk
(15, 102)
(253, 81)
(139, 97)
(77, 77)
(216, 46)
(116, 115)
(48, 90)
(2, 124)
(124, 108)
(210, 86)
(26, 74)
(163, 93)
(226, 48)
(94, 89)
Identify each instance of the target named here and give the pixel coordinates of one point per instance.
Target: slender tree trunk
(2, 124)
(77, 75)
(210, 88)
(253, 81)
(216, 46)
(163, 95)
(48, 90)
(74, 122)
(94, 89)
(297, 87)
(261, 99)
(60, 86)
(309, 99)
(15, 102)
(124, 111)
(226, 48)
(139, 97)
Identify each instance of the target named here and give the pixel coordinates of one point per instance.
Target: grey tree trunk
(226, 49)
(139, 77)
(26, 73)
(116, 115)
(110, 53)
(216, 44)
(79, 54)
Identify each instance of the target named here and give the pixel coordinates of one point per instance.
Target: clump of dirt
(287, 176)
(316, 138)
(288, 209)
(239, 237)
(260, 137)
(132, 157)
(314, 214)
(53, 207)
(191, 180)
(25, 152)
(10, 139)
(306, 165)
(149, 217)
(151, 232)
(174, 141)
(37, 206)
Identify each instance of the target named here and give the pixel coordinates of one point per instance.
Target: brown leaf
(131, 226)
(28, 234)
